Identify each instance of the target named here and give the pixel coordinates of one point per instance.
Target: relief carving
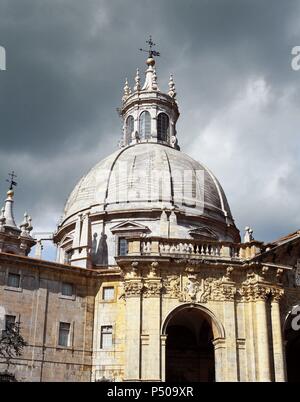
(152, 288)
(200, 290)
(133, 288)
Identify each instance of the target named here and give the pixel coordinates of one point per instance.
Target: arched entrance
(190, 357)
(292, 341)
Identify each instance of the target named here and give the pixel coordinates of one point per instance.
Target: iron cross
(151, 52)
(11, 180)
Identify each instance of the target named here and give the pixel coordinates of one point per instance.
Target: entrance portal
(189, 348)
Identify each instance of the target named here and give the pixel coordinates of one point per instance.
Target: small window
(14, 280)
(64, 334)
(67, 289)
(129, 128)
(108, 293)
(145, 126)
(9, 320)
(106, 337)
(68, 256)
(162, 127)
(123, 246)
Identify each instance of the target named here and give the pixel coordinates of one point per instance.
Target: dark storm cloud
(238, 96)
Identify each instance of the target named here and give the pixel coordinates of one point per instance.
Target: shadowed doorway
(189, 348)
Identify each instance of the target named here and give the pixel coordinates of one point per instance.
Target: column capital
(277, 294)
(152, 288)
(255, 292)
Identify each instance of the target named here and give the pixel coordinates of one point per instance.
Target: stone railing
(189, 248)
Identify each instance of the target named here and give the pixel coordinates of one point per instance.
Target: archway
(190, 356)
(292, 341)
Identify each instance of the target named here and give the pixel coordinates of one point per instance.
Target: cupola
(149, 115)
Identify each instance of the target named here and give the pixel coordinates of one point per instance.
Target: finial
(11, 180)
(29, 227)
(127, 90)
(150, 51)
(137, 86)
(172, 90)
(2, 220)
(24, 224)
(248, 236)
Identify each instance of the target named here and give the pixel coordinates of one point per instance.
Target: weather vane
(11, 180)
(151, 52)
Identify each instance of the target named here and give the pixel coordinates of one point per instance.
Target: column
(230, 330)
(133, 288)
(262, 338)
(278, 347)
(163, 341)
(220, 349)
(151, 323)
(151, 350)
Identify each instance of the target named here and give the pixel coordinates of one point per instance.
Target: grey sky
(238, 96)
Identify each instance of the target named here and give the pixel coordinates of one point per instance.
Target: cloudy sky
(239, 97)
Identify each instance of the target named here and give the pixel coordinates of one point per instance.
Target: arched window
(145, 126)
(129, 128)
(162, 127)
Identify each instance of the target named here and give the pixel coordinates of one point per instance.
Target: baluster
(193, 248)
(213, 250)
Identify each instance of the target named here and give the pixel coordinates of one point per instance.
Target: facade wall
(108, 362)
(245, 316)
(40, 307)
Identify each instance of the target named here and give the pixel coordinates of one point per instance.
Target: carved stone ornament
(133, 288)
(153, 270)
(133, 273)
(277, 294)
(256, 292)
(172, 286)
(203, 290)
(152, 288)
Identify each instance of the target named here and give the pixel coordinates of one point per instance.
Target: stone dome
(147, 188)
(149, 176)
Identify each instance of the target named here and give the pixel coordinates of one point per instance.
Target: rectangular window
(123, 246)
(106, 337)
(64, 334)
(108, 293)
(14, 280)
(9, 320)
(67, 289)
(68, 256)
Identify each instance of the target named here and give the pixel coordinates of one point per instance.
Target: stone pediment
(129, 226)
(203, 233)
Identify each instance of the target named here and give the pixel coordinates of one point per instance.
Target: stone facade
(244, 301)
(39, 305)
(152, 283)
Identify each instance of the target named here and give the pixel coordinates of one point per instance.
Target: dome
(147, 176)
(147, 188)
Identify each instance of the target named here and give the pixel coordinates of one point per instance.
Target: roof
(146, 176)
